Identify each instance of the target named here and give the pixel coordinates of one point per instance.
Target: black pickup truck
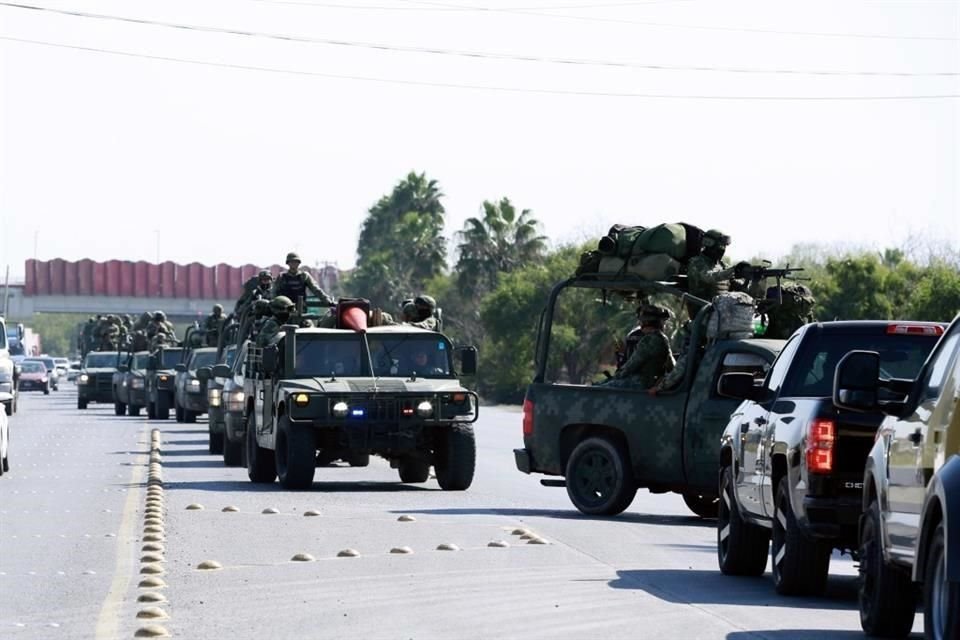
(792, 463)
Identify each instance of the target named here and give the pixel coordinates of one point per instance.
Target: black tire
(941, 610)
(232, 453)
(261, 463)
(215, 446)
(599, 478)
(414, 470)
(6, 463)
(133, 410)
(119, 409)
(162, 409)
(8, 407)
(742, 546)
(800, 565)
(455, 457)
(886, 594)
(46, 390)
(296, 455)
(81, 404)
(177, 411)
(189, 416)
(151, 410)
(703, 505)
(358, 459)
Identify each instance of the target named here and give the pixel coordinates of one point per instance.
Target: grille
(104, 381)
(367, 386)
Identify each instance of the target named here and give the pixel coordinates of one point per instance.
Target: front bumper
(523, 460)
(33, 385)
(196, 402)
(137, 397)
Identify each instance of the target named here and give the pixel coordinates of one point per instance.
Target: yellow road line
(108, 622)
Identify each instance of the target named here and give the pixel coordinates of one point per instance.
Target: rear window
(811, 373)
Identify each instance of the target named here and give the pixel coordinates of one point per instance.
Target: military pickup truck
(95, 382)
(213, 387)
(609, 441)
(910, 519)
(160, 381)
(129, 389)
(326, 394)
(792, 462)
(190, 392)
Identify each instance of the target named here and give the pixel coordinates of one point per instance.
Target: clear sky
(114, 156)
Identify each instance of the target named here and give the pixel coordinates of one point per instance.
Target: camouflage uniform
(425, 318)
(282, 307)
(651, 358)
(256, 288)
(211, 325)
(294, 284)
(794, 310)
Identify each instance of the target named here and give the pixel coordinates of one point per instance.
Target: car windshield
(48, 363)
(140, 361)
(812, 372)
(231, 356)
(424, 354)
(32, 366)
(100, 360)
(171, 358)
(325, 355)
(203, 359)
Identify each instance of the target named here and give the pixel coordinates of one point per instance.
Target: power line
(482, 55)
(463, 8)
(671, 25)
(476, 87)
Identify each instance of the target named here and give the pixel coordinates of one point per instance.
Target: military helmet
(653, 314)
(266, 274)
(159, 316)
(409, 308)
(292, 257)
(715, 238)
(281, 304)
(218, 308)
(426, 301)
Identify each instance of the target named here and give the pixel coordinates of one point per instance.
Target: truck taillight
(527, 418)
(821, 435)
(914, 330)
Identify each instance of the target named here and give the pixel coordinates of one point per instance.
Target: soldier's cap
(653, 312)
(292, 257)
(715, 238)
(266, 274)
(425, 301)
(281, 303)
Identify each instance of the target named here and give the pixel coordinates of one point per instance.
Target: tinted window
(171, 358)
(426, 355)
(140, 361)
(32, 366)
(101, 360)
(782, 364)
(330, 355)
(938, 366)
(812, 374)
(203, 359)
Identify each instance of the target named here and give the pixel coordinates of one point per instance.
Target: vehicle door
(753, 421)
(708, 412)
(264, 399)
(913, 442)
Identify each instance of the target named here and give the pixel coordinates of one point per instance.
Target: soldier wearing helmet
(282, 308)
(256, 288)
(651, 358)
(212, 324)
(294, 283)
(425, 315)
(707, 275)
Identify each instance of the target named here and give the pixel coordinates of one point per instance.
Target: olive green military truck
(608, 441)
(318, 395)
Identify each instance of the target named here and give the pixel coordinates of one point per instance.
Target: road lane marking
(108, 622)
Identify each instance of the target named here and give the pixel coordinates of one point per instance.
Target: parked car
(4, 434)
(910, 526)
(52, 372)
(792, 463)
(34, 377)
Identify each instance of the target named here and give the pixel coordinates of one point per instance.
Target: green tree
(401, 243)
(936, 295)
(854, 288)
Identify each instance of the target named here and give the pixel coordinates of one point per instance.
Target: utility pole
(6, 293)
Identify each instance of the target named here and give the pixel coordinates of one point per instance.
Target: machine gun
(756, 273)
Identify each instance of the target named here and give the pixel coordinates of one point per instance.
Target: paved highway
(74, 509)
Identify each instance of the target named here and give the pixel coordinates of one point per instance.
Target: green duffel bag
(667, 238)
(655, 266)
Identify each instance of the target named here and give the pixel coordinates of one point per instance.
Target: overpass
(183, 292)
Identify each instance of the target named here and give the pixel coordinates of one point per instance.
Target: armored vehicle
(324, 394)
(129, 383)
(160, 379)
(95, 382)
(190, 393)
(608, 441)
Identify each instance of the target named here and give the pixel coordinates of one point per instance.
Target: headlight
(301, 399)
(193, 385)
(340, 409)
(425, 409)
(136, 383)
(234, 400)
(213, 397)
(163, 378)
(84, 378)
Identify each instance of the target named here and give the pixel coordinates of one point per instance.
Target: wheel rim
(868, 570)
(595, 477)
(778, 548)
(723, 522)
(938, 597)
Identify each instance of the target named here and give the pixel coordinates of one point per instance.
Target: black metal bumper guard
(380, 408)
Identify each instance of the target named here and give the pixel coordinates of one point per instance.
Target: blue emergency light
(357, 413)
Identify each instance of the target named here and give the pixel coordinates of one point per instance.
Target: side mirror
(204, 373)
(269, 359)
(468, 360)
(222, 371)
(180, 368)
(856, 381)
(739, 386)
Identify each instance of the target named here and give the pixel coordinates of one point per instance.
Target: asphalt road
(72, 519)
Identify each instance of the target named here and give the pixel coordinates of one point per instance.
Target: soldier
(409, 313)
(110, 334)
(786, 309)
(142, 322)
(425, 316)
(294, 283)
(211, 325)
(256, 288)
(281, 307)
(86, 335)
(652, 358)
(706, 273)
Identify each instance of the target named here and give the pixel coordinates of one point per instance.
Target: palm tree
(499, 242)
